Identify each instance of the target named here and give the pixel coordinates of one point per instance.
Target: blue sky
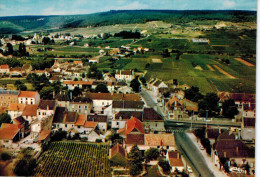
(63, 7)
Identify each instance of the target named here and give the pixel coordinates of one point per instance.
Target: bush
(165, 165)
(5, 156)
(99, 141)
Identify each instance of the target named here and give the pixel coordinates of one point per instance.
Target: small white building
(28, 97)
(125, 75)
(46, 108)
(15, 110)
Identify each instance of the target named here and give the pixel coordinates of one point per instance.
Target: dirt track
(210, 67)
(224, 72)
(244, 62)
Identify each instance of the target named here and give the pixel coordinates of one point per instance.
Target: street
(192, 154)
(150, 102)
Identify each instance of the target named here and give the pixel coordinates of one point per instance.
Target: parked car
(189, 169)
(201, 148)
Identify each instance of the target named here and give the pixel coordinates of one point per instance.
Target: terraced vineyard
(74, 159)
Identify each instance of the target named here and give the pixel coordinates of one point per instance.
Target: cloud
(2, 6)
(131, 6)
(229, 4)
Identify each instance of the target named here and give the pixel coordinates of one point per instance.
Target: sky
(69, 7)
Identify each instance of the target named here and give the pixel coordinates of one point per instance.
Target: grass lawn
(152, 171)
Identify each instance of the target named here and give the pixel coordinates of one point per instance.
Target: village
(58, 107)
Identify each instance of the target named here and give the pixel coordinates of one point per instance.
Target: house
(101, 119)
(4, 69)
(78, 62)
(64, 119)
(133, 126)
(7, 97)
(63, 100)
(152, 121)
(108, 77)
(81, 105)
(233, 150)
(15, 110)
(36, 128)
(10, 134)
(46, 108)
(80, 84)
(159, 87)
(30, 112)
(118, 156)
(44, 136)
(174, 108)
(126, 105)
(248, 129)
(28, 97)
(175, 161)
(212, 134)
(125, 75)
(200, 40)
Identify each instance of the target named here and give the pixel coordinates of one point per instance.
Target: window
(158, 147)
(86, 107)
(103, 103)
(31, 102)
(79, 107)
(167, 147)
(78, 126)
(156, 124)
(66, 125)
(117, 123)
(39, 113)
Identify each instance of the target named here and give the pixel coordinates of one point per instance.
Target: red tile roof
(16, 107)
(118, 149)
(81, 120)
(28, 94)
(135, 138)
(77, 62)
(44, 135)
(4, 66)
(8, 131)
(30, 110)
(134, 124)
(159, 140)
(175, 159)
(78, 82)
(249, 122)
(90, 124)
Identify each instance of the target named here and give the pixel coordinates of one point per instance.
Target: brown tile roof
(99, 96)
(8, 131)
(30, 110)
(16, 107)
(118, 149)
(159, 139)
(212, 133)
(131, 97)
(249, 122)
(44, 134)
(125, 115)
(82, 100)
(243, 97)
(134, 124)
(175, 159)
(151, 115)
(59, 115)
(171, 103)
(44, 104)
(233, 149)
(90, 124)
(227, 135)
(190, 106)
(70, 117)
(97, 118)
(78, 82)
(135, 138)
(81, 120)
(28, 94)
(125, 72)
(128, 104)
(250, 107)
(19, 120)
(78, 62)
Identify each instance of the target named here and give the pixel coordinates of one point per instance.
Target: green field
(74, 159)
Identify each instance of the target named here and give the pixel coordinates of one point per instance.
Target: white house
(175, 160)
(101, 119)
(30, 112)
(46, 108)
(15, 110)
(4, 69)
(28, 97)
(125, 75)
(158, 86)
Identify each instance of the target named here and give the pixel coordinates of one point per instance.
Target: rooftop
(27, 94)
(159, 140)
(47, 104)
(16, 107)
(30, 110)
(8, 131)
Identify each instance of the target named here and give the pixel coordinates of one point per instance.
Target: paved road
(150, 102)
(192, 153)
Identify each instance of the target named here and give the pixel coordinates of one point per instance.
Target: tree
(76, 92)
(193, 94)
(151, 154)
(164, 164)
(21, 168)
(46, 40)
(166, 53)
(209, 103)
(226, 167)
(143, 80)
(5, 156)
(135, 84)
(135, 160)
(178, 55)
(46, 93)
(22, 87)
(175, 82)
(10, 48)
(5, 118)
(247, 168)
(83, 75)
(101, 88)
(229, 108)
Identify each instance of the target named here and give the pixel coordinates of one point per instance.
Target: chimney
(71, 95)
(178, 155)
(225, 154)
(47, 107)
(237, 149)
